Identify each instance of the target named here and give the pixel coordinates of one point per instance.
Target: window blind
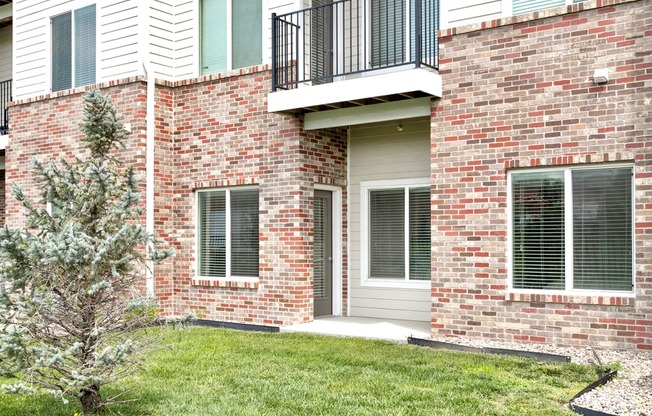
(85, 46)
(247, 33)
(526, 6)
(212, 234)
(61, 52)
(420, 233)
(387, 32)
(387, 233)
(244, 233)
(213, 36)
(538, 230)
(602, 229)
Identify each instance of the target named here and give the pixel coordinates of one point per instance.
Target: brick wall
(209, 132)
(519, 93)
(47, 128)
(224, 137)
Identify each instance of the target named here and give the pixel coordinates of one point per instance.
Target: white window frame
(265, 45)
(568, 233)
(228, 277)
(57, 11)
(365, 279)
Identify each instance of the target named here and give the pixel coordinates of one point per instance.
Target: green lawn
(221, 372)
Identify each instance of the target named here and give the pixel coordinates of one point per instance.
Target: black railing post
(274, 52)
(5, 97)
(417, 34)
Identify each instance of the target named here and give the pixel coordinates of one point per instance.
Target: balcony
(354, 53)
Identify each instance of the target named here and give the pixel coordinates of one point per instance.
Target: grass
(221, 372)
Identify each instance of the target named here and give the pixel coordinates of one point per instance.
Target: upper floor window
(73, 48)
(231, 34)
(571, 229)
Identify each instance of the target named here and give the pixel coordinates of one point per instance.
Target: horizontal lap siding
(380, 152)
(5, 53)
(185, 34)
(162, 38)
(463, 12)
(118, 37)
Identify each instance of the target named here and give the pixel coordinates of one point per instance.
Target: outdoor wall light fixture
(600, 76)
(399, 127)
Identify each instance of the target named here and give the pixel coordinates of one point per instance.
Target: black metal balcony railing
(5, 97)
(346, 37)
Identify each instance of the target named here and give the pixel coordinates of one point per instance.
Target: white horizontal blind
(538, 230)
(85, 46)
(61, 52)
(602, 229)
(244, 233)
(247, 33)
(526, 6)
(387, 233)
(420, 246)
(213, 36)
(387, 32)
(212, 234)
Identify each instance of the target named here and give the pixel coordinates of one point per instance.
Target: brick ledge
(527, 17)
(233, 284)
(573, 299)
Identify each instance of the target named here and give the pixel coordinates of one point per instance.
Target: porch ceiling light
(600, 76)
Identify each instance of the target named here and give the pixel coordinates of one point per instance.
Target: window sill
(234, 283)
(607, 299)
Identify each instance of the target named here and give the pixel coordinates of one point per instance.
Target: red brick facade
(521, 94)
(517, 93)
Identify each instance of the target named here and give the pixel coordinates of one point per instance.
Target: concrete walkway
(386, 329)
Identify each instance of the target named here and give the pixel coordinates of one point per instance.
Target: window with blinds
(73, 48)
(228, 233)
(399, 233)
(584, 243)
(240, 47)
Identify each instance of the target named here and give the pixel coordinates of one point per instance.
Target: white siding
(463, 12)
(380, 152)
(185, 30)
(117, 41)
(5, 53)
(118, 52)
(162, 37)
(279, 7)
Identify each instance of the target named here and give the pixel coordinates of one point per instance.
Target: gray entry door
(323, 254)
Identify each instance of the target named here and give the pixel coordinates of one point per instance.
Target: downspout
(149, 172)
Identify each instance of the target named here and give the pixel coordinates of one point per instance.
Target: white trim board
(398, 82)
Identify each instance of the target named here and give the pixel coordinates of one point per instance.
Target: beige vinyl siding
(5, 53)
(381, 152)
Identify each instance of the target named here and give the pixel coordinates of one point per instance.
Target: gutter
(149, 173)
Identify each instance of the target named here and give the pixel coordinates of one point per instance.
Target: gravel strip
(629, 394)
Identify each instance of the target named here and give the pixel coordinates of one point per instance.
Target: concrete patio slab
(372, 328)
